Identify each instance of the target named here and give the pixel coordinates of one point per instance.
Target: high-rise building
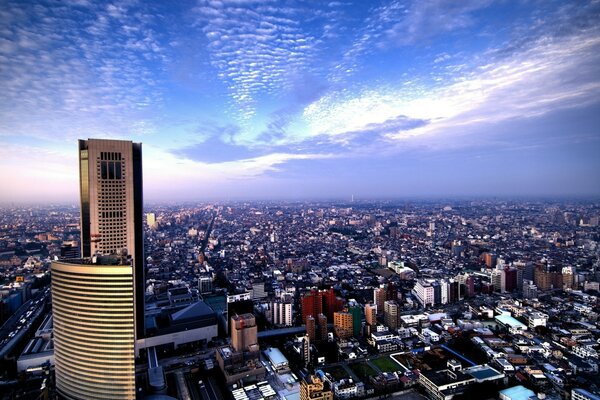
(311, 328)
(151, 220)
(342, 324)
(379, 297)
(498, 280)
(371, 314)
(390, 313)
(110, 183)
(312, 304)
(305, 350)
(243, 332)
(424, 292)
(281, 313)
(205, 284)
(322, 327)
(320, 301)
(355, 311)
(98, 301)
(95, 351)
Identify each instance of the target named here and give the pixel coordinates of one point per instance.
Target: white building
(536, 318)
(424, 293)
(281, 313)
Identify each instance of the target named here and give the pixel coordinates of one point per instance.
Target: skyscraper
(110, 182)
(98, 301)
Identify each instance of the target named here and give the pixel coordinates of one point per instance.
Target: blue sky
(237, 99)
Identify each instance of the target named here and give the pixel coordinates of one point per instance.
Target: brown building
(322, 327)
(379, 297)
(390, 314)
(240, 362)
(342, 324)
(371, 314)
(313, 388)
(243, 332)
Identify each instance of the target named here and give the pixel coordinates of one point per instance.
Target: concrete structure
(342, 324)
(314, 388)
(582, 394)
(371, 314)
(243, 331)
(424, 292)
(205, 284)
(390, 313)
(94, 353)
(110, 183)
(281, 313)
(240, 362)
(517, 393)
(513, 325)
(444, 384)
(277, 360)
(311, 328)
(196, 322)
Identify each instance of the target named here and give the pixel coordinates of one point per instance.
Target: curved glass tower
(93, 309)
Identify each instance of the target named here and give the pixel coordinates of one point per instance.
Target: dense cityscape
(442, 299)
(299, 200)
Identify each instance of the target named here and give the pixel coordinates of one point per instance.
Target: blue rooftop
(517, 393)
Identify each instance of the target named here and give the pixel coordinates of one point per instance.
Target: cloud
(554, 72)
(255, 50)
(425, 20)
(78, 69)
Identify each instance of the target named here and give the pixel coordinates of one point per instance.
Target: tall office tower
(98, 301)
(306, 350)
(281, 313)
(355, 311)
(322, 331)
(150, 219)
(379, 297)
(391, 311)
(342, 324)
(371, 314)
(110, 182)
(94, 342)
(311, 304)
(311, 328)
(243, 332)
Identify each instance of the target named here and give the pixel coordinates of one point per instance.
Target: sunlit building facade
(98, 301)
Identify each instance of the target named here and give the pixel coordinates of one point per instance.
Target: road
(20, 322)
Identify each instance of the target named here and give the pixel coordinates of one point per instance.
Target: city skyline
(287, 100)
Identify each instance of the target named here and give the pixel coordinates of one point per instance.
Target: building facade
(95, 351)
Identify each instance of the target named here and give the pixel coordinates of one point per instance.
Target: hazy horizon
(257, 100)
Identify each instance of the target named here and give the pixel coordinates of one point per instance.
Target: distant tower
(379, 297)
(322, 333)
(371, 314)
(391, 310)
(311, 328)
